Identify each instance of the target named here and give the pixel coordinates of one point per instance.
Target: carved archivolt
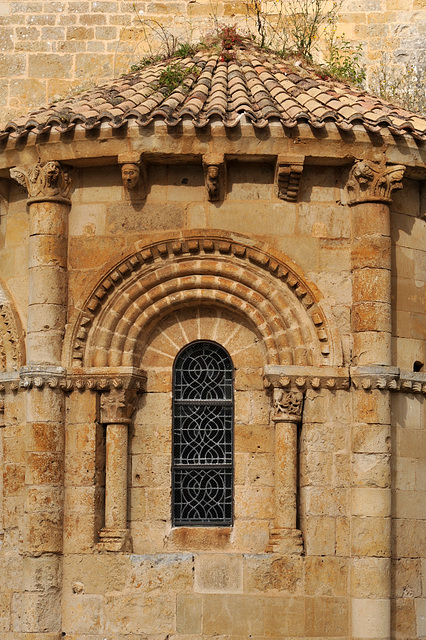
(12, 349)
(196, 269)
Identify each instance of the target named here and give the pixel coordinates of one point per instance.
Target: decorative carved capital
(287, 405)
(134, 180)
(48, 181)
(373, 182)
(287, 180)
(118, 406)
(214, 177)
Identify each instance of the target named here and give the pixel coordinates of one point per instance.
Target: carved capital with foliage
(118, 406)
(373, 182)
(45, 181)
(287, 405)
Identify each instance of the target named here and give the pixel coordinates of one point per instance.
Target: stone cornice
(288, 377)
(96, 379)
(332, 149)
(293, 377)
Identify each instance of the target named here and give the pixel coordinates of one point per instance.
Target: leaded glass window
(203, 415)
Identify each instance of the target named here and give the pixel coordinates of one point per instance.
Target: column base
(114, 540)
(286, 542)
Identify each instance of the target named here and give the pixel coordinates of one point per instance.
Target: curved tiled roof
(261, 86)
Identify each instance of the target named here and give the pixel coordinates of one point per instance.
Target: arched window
(203, 417)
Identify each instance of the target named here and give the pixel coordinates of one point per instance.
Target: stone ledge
(369, 377)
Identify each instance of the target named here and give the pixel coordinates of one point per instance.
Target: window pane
(203, 496)
(203, 434)
(203, 373)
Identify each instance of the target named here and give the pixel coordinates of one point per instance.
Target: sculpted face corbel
(373, 182)
(45, 181)
(133, 175)
(214, 177)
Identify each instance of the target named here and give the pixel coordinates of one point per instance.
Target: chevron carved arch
(198, 268)
(12, 345)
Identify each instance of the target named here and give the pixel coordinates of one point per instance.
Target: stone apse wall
(321, 545)
(49, 50)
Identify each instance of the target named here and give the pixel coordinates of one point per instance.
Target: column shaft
(285, 475)
(116, 477)
(371, 284)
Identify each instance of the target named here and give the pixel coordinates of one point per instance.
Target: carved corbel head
(134, 180)
(214, 177)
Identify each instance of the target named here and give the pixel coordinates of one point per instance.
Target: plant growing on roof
(173, 76)
(344, 60)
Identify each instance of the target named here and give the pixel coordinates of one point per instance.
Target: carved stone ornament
(213, 182)
(1, 409)
(214, 176)
(118, 406)
(287, 179)
(373, 182)
(134, 180)
(12, 338)
(47, 181)
(288, 405)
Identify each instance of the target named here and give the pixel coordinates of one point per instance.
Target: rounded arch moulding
(12, 345)
(199, 268)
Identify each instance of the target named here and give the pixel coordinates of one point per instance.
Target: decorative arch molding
(204, 268)
(12, 346)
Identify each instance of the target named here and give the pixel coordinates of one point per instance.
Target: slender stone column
(117, 407)
(48, 188)
(285, 537)
(370, 186)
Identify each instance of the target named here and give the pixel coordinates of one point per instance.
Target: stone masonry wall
(50, 49)
(183, 583)
(409, 520)
(409, 277)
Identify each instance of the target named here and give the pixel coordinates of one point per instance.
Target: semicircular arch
(204, 269)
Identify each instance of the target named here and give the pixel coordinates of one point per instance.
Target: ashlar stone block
(233, 615)
(217, 573)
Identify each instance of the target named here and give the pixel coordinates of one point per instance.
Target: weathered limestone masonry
(296, 244)
(49, 49)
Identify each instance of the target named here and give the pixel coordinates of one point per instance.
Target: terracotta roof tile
(257, 83)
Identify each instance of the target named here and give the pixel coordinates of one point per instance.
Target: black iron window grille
(203, 417)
